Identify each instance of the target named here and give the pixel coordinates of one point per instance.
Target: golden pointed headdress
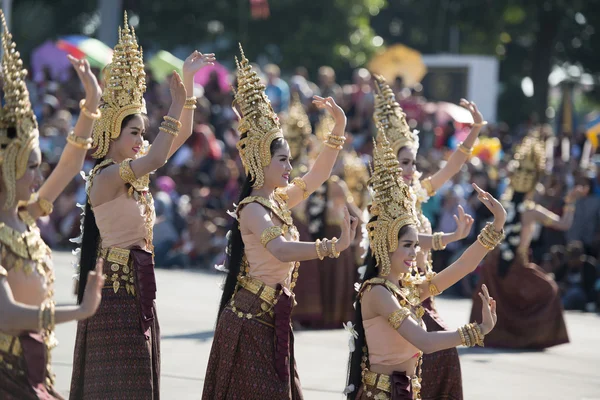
(392, 204)
(124, 87)
(296, 127)
(529, 163)
(391, 117)
(19, 133)
(259, 124)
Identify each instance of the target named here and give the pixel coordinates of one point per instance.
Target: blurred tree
(528, 37)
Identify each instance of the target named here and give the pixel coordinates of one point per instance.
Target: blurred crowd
(201, 181)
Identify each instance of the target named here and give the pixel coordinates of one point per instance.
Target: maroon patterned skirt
(117, 351)
(24, 374)
(441, 377)
(241, 363)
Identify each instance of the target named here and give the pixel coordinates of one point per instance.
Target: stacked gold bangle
(464, 149)
(170, 125)
(323, 251)
(88, 113)
(436, 242)
(318, 247)
(471, 335)
(45, 205)
(79, 142)
(190, 103)
(334, 252)
(46, 320)
(335, 142)
(489, 238)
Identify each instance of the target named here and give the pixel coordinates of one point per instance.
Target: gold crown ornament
(528, 164)
(124, 87)
(393, 204)
(19, 133)
(389, 115)
(258, 121)
(296, 128)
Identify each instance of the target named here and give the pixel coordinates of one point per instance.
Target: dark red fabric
(145, 286)
(283, 312)
(401, 388)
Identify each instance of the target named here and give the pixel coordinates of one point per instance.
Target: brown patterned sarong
(241, 362)
(528, 305)
(24, 374)
(441, 377)
(117, 351)
(385, 387)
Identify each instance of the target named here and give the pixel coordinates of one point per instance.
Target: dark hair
(235, 245)
(355, 359)
(517, 199)
(91, 235)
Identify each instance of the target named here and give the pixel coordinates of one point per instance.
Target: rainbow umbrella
(96, 52)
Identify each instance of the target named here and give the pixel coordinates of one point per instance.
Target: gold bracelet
(426, 184)
(436, 242)
(462, 336)
(269, 234)
(168, 118)
(190, 103)
(334, 252)
(467, 337)
(397, 317)
(318, 247)
(482, 123)
(433, 290)
(324, 248)
(464, 149)
(46, 206)
(169, 131)
(472, 334)
(91, 115)
(336, 139)
(302, 185)
(480, 335)
(333, 146)
(170, 125)
(79, 142)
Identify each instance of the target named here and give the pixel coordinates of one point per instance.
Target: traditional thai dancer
(530, 314)
(117, 352)
(390, 336)
(29, 313)
(252, 355)
(441, 370)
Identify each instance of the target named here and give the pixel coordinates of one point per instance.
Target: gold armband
(91, 115)
(426, 184)
(397, 317)
(433, 290)
(190, 103)
(436, 242)
(80, 142)
(464, 149)
(45, 205)
(126, 173)
(269, 234)
(46, 320)
(302, 185)
(334, 252)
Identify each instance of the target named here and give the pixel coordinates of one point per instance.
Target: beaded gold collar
(277, 206)
(406, 296)
(27, 245)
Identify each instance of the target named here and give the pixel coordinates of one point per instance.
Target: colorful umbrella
(162, 65)
(203, 76)
(399, 61)
(49, 56)
(96, 52)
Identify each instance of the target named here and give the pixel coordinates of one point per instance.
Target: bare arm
(547, 218)
(471, 258)
(192, 64)
(72, 157)
(17, 317)
(458, 158)
(321, 169)
(256, 218)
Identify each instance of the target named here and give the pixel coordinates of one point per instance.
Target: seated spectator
(576, 278)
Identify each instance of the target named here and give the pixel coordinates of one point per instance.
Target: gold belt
(10, 344)
(380, 381)
(121, 273)
(255, 286)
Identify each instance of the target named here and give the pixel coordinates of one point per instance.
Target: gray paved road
(187, 303)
